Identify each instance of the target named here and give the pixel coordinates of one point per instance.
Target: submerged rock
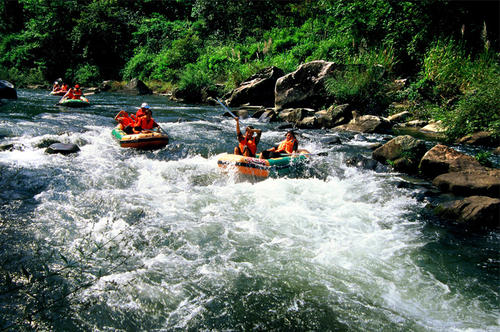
(62, 148)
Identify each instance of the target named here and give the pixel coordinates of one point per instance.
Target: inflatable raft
(154, 139)
(82, 102)
(261, 168)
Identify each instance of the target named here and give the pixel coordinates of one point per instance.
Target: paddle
(307, 153)
(227, 109)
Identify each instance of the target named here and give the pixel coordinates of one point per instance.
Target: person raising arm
(247, 144)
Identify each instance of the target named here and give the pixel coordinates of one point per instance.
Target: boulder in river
(62, 148)
(404, 152)
(7, 90)
(443, 159)
(473, 211)
(484, 138)
(137, 87)
(304, 87)
(484, 182)
(367, 124)
(257, 90)
(335, 115)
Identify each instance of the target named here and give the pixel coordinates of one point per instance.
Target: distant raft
(82, 102)
(150, 140)
(262, 168)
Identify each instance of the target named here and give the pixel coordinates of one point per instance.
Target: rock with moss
(403, 152)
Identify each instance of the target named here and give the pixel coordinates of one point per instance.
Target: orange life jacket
(251, 145)
(286, 146)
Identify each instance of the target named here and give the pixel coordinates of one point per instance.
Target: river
(118, 239)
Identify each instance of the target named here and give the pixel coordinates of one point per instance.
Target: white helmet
(145, 106)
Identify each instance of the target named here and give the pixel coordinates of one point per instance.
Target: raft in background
(261, 168)
(150, 140)
(82, 102)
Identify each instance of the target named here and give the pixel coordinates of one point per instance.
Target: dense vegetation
(448, 50)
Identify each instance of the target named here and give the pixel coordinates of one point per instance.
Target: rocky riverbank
(298, 99)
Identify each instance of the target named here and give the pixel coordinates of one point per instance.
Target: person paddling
(247, 143)
(73, 93)
(289, 145)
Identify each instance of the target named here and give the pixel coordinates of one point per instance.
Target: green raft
(262, 168)
(82, 102)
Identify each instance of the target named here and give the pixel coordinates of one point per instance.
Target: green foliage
(361, 83)
(483, 158)
(193, 79)
(140, 65)
(87, 74)
(465, 90)
(477, 110)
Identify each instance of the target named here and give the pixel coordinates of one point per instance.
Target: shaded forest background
(447, 50)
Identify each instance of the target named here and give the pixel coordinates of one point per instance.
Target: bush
(477, 110)
(193, 79)
(140, 66)
(87, 75)
(362, 82)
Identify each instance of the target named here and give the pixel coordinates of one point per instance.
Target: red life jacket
(126, 121)
(251, 145)
(286, 146)
(145, 124)
(77, 93)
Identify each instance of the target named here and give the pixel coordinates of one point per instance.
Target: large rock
(295, 115)
(471, 182)
(367, 124)
(304, 87)
(404, 152)
(257, 90)
(442, 159)
(7, 90)
(335, 115)
(473, 211)
(399, 117)
(484, 138)
(137, 87)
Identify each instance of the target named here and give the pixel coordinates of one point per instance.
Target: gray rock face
(257, 90)
(304, 87)
(137, 87)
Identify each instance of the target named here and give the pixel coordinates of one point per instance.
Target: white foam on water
(197, 230)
